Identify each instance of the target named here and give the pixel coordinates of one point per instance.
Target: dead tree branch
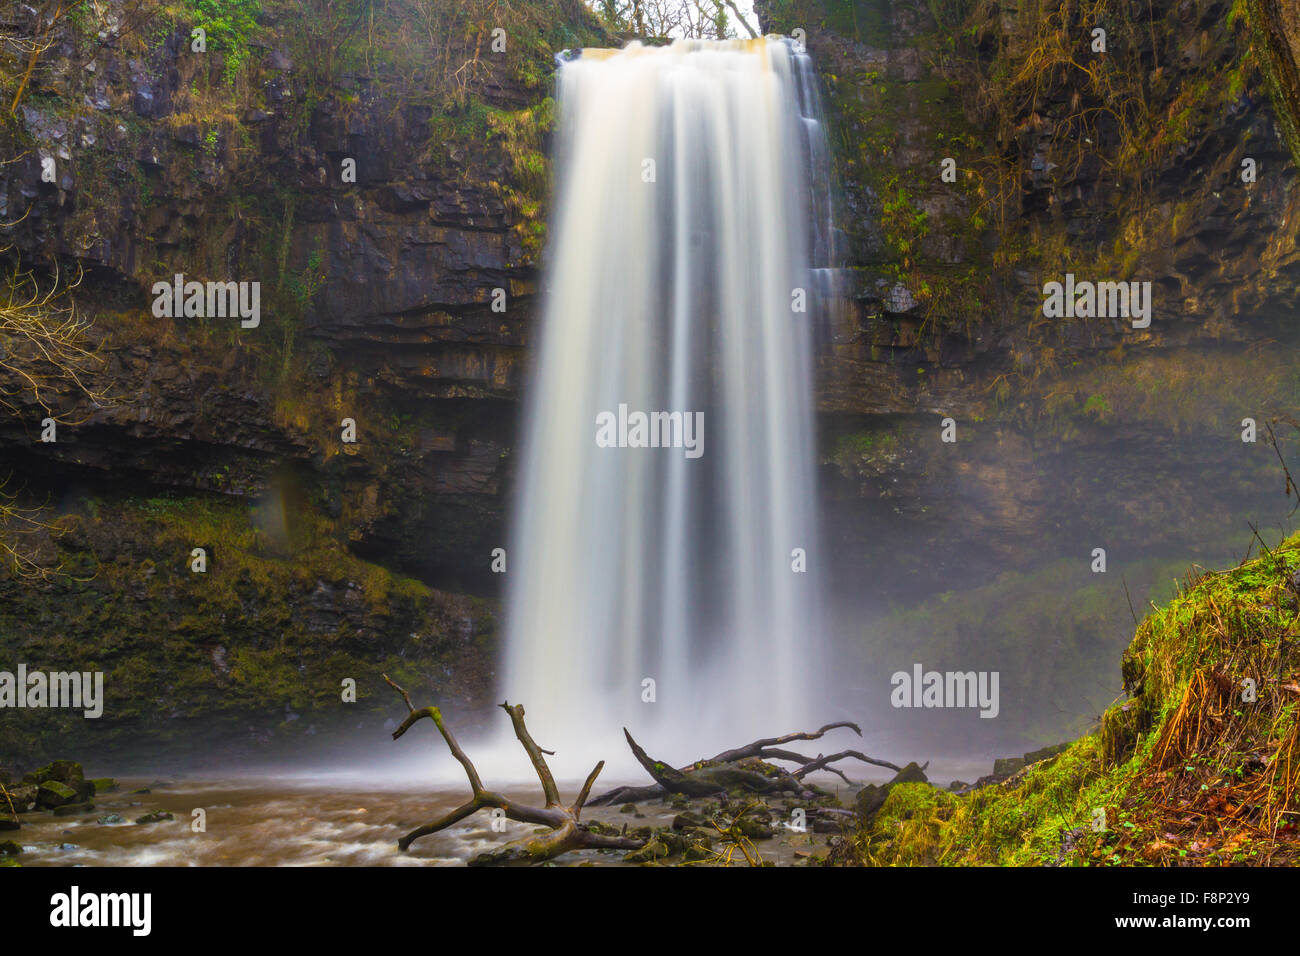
(728, 771)
(567, 832)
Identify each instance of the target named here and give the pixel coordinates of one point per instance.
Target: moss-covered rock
(53, 794)
(22, 797)
(154, 816)
(67, 772)
(871, 798)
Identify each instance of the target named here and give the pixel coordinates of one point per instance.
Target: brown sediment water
(265, 823)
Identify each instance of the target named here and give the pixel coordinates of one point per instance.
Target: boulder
(872, 797)
(663, 844)
(154, 816)
(1006, 766)
(67, 772)
(23, 797)
(912, 773)
(754, 828)
(1046, 752)
(52, 793)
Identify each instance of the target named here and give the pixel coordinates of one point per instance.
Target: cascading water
(692, 209)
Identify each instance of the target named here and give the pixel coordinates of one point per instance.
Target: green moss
(1184, 747)
(279, 619)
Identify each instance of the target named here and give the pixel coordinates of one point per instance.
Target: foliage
(230, 24)
(1197, 767)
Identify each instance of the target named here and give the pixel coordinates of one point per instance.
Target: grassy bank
(1198, 766)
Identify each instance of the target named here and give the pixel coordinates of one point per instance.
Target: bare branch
(534, 753)
(586, 789)
(566, 832)
(752, 750)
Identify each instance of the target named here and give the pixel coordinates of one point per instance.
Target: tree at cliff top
(701, 19)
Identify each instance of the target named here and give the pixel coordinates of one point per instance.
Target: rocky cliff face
(1158, 158)
(378, 301)
(384, 205)
(1124, 165)
(377, 293)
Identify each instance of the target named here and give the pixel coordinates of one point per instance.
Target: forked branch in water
(567, 832)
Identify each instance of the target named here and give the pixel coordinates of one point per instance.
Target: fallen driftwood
(748, 768)
(566, 833)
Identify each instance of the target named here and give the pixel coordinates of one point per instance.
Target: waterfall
(692, 215)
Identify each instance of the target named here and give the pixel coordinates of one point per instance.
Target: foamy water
(306, 822)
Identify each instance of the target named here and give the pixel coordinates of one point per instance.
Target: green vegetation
(231, 27)
(1188, 770)
(1188, 394)
(1070, 126)
(264, 636)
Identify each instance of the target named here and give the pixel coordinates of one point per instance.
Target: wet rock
(912, 773)
(663, 844)
(753, 827)
(154, 816)
(69, 809)
(1006, 766)
(700, 849)
(23, 797)
(53, 794)
(686, 820)
(67, 772)
(104, 784)
(872, 797)
(869, 800)
(10, 848)
(1045, 753)
(109, 819)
